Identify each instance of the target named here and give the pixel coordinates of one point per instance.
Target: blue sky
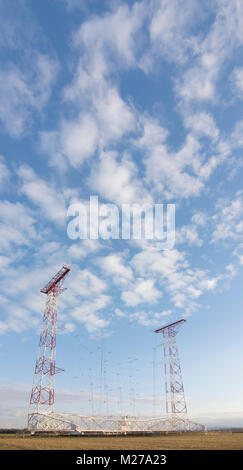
(135, 102)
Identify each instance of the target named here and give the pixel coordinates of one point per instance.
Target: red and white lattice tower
(43, 390)
(174, 389)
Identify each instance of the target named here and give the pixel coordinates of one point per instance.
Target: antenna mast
(174, 389)
(43, 390)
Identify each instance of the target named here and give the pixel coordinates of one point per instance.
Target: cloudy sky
(135, 102)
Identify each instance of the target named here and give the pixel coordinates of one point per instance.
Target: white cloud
(199, 218)
(19, 280)
(3, 327)
(17, 226)
(42, 194)
(166, 169)
(46, 70)
(142, 291)
(99, 119)
(88, 313)
(88, 284)
(25, 92)
(198, 84)
(117, 180)
(202, 124)
(153, 133)
(119, 313)
(114, 265)
(78, 139)
(150, 318)
(188, 234)
(184, 172)
(153, 261)
(4, 173)
(102, 45)
(16, 99)
(173, 272)
(114, 115)
(236, 138)
(5, 261)
(84, 300)
(114, 32)
(170, 30)
(20, 319)
(199, 81)
(85, 247)
(237, 81)
(228, 220)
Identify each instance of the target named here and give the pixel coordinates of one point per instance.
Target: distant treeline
(12, 430)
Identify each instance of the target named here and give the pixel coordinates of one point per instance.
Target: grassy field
(210, 440)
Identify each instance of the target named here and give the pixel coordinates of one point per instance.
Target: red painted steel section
(43, 390)
(56, 279)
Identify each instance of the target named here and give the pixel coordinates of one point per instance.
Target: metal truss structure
(75, 423)
(43, 418)
(43, 390)
(174, 392)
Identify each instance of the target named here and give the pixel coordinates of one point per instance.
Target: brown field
(200, 441)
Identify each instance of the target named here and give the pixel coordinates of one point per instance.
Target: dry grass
(210, 440)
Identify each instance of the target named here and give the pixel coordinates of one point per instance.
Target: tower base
(65, 422)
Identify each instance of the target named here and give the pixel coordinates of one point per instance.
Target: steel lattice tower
(43, 390)
(174, 389)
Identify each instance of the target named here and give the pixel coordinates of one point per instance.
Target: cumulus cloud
(78, 139)
(17, 227)
(116, 180)
(237, 81)
(78, 251)
(150, 318)
(199, 81)
(171, 35)
(42, 194)
(167, 170)
(25, 92)
(202, 124)
(4, 173)
(28, 71)
(124, 154)
(89, 313)
(114, 265)
(228, 220)
(142, 291)
(236, 138)
(183, 283)
(103, 116)
(87, 282)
